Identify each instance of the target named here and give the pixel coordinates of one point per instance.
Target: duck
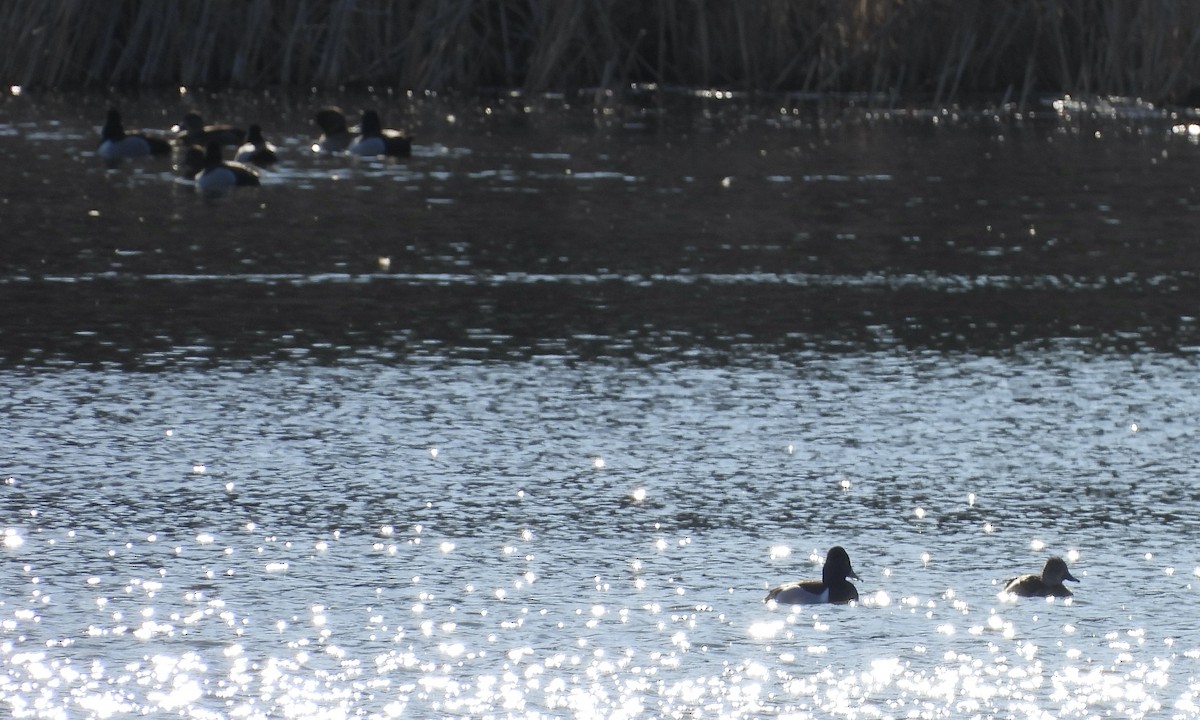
(193, 131)
(256, 150)
(335, 134)
(373, 140)
(116, 144)
(1048, 584)
(218, 176)
(192, 162)
(833, 587)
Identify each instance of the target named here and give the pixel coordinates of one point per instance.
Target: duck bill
(1069, 576)
(853, 574)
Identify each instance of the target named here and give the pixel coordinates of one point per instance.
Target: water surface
(619, 374)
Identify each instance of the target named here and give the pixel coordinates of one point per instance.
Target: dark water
(526, 425)
(718, 233)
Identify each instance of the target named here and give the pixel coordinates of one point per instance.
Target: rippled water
(619, 375)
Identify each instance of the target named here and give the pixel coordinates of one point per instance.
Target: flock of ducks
(834, 587)
(203, 145)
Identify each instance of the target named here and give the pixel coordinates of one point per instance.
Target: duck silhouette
(374, 140)
(833, 587)
(219, 177)
(116, 144)
(1048, 584)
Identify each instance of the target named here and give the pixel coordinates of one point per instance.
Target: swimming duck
(1048, 584)
(116, 144)
(218, 176)
(193, 131)
(256, 149)
(831, 588)
(335, 134)
(373, 140)
(192, 162)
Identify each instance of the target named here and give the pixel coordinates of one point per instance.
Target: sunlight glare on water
(526, 425)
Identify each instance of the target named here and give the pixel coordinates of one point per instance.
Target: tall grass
(945, 49)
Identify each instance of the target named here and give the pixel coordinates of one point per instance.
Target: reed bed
(943, 49)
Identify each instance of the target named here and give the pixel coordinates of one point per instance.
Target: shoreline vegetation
(945, 50)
